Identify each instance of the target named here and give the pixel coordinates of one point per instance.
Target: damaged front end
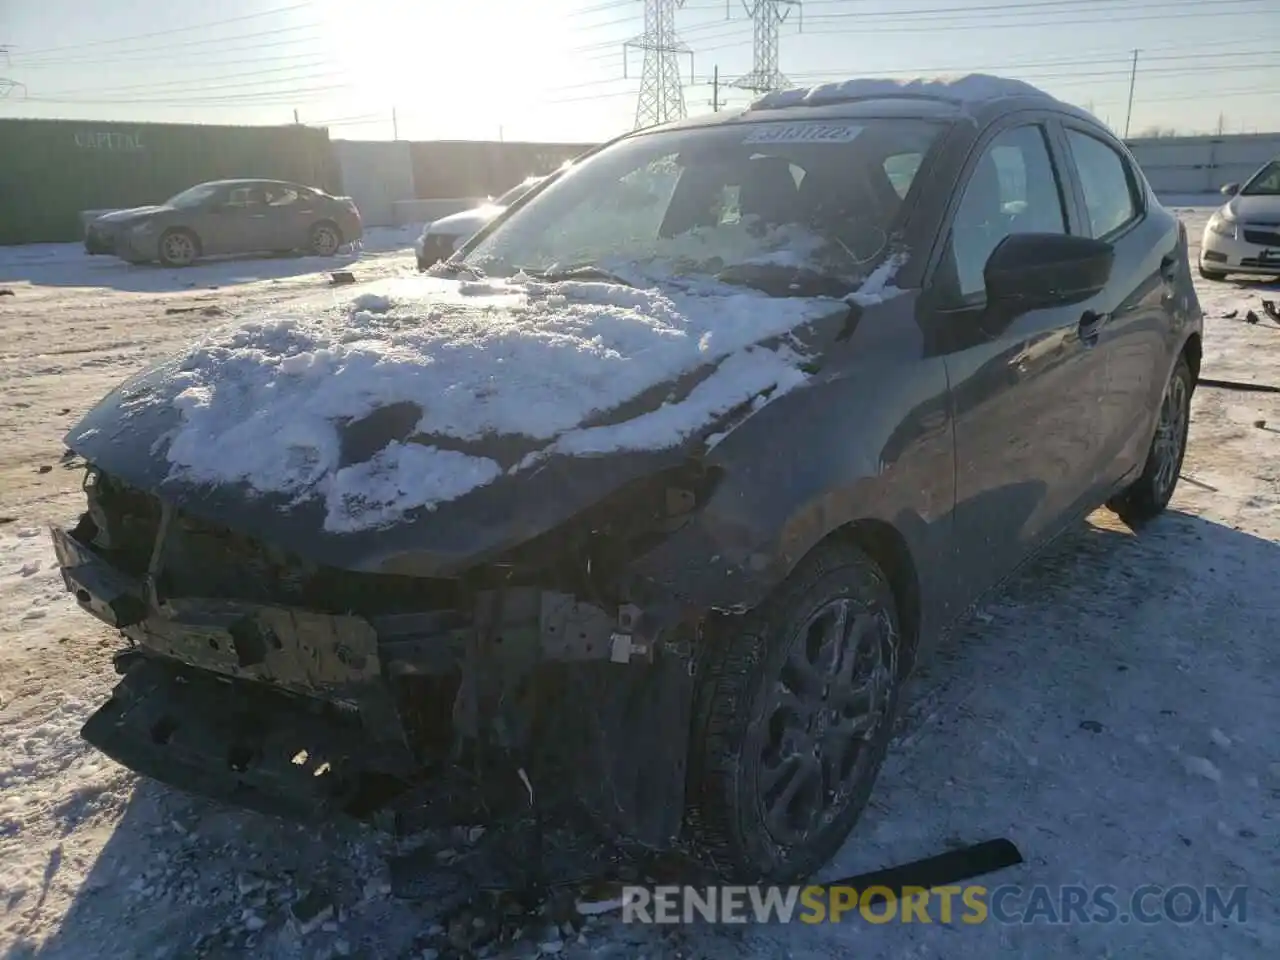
(261, 678)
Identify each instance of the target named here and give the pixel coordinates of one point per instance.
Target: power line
(1030, 6)
(127, 55)
(197, 82)
(164, 33)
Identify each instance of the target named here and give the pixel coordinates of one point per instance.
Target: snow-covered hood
(343, 417)
(465, 222)
(1254, 209)
(133, 213)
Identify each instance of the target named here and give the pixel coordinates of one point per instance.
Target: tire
(1150, 493)
(1212, 274)
(325, 239)
(752, 679)
(178, 247)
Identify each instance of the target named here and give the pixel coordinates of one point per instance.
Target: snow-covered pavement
(1113, 711)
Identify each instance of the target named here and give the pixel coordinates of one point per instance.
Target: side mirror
(1030, 270)
(1231, 189)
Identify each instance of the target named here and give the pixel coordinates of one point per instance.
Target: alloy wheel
(324, 241)
(1171, 434)
(178, 248)
(829, 700)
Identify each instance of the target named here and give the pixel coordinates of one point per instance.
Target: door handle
(1090, 321)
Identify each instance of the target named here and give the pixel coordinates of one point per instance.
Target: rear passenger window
(281, 196)
(1109, 190)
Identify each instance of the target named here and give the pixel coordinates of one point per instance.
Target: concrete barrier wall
(424, 211)
(1199, 165)
(376, 174)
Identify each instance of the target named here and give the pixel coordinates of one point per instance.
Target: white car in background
(441, 237)
(1243, 236)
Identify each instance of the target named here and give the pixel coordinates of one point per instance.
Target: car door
(239, 223)
(1025, 385)
(1149, 285)
(289, 217)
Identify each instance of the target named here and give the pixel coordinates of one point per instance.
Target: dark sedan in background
(227, 217)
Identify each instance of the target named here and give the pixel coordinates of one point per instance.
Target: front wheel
(794, 713)
(178, 248)
(1152, 491)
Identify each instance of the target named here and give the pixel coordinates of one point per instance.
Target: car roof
(249, 181)
(976, 97)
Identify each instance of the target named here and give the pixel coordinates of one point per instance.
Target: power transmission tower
(661, 92)
(768, 17)
(7, 86)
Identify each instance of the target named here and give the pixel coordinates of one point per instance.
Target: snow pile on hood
(972, 88)
(265, 403)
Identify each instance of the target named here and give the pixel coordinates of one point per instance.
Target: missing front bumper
(219, 696)
(226, 741)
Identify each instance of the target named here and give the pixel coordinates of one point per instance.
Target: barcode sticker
(803, 133)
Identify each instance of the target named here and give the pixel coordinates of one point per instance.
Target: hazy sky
(553, 69)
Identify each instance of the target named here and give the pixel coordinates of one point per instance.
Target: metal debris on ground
(341, 277)
(1251, 317)
(1269, 307)
(6, 292)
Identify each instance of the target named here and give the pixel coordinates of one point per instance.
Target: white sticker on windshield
(803, 133)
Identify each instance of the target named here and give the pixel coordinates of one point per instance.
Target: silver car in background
(226, 217)
(441, 237)
(1243, 236)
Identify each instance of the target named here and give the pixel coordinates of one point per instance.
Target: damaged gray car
(650, 498)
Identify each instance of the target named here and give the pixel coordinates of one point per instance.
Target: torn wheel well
(1193, 351)
(887, 547)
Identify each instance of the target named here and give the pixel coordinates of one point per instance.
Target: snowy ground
(1113, 711)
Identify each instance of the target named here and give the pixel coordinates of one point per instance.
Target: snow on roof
(972, 88)
(264, 403)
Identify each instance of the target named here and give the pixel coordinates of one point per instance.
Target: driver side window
(1012, 189)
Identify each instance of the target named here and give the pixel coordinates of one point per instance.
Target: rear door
(289, 215)
(1025, 386)
(1149, 285)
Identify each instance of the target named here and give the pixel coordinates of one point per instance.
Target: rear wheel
(178, 247)
(1212, 274)
(325, 239)
(1151, 492)
(795, 710)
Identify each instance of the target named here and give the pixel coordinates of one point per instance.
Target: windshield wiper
(450, 268)
(582, 271)
(782, 281)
